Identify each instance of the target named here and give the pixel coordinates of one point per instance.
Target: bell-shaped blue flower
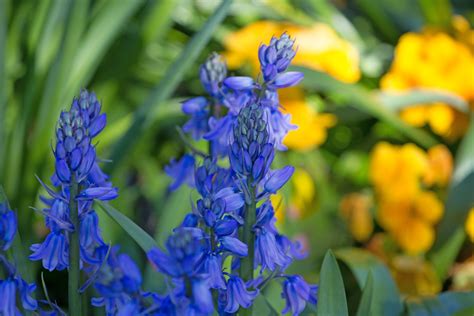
(53, 252)
(297, 293)
(237, 295)
(182, 171)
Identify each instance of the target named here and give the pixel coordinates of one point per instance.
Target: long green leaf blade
(367, 294)
(331, 295)
(145, 241)
(168, 84)
(398, 101)
(460, 198)
(363, 100)
(3, 83)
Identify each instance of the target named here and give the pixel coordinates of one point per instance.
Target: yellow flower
(470, 225)
(355, 208)
(396, 171)
(406, 210)
(319, 48)
(433, 60)
(311, 126)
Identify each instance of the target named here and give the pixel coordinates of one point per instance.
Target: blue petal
(194, 105)
(239, 83)
(288, 79)
(278, 179)
(234, 245)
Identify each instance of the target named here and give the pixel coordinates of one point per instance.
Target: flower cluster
(13, 285)
(76, 166)
(79, 181)
(406, 208)
(228, 248)
(416, 65)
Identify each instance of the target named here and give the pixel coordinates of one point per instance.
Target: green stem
(248, 237)
(74, 256)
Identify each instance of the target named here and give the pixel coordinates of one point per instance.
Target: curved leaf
(386, 297)
(460, 198)
(168, 84)
(331, 295)
(145, 241)
(398, 101)
(367, 294)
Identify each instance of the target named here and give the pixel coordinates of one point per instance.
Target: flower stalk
(74, 254)
(248, 237)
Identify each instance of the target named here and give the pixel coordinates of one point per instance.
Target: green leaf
(331, 295)
(168, 84)
(363, 100)
(367, 294)
(398, 101)
(454, 302)
(3, 84)
(437, 12)
(145, 241)
(386, 297)
(443, 258)
(460, 198)
(51, 100)
(104, 29)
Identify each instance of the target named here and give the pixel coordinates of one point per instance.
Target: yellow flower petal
(415, 236)
(355, 208)
(428, 207)
(440, 166)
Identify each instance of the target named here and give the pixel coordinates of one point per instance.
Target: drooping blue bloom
(184, 262)
(297, 293)
(237, 295)
(118, 283)
(8, 224)
(181, 171)
(197, 125)
(14, 286)
(53, 251)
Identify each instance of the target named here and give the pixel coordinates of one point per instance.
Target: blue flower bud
(239, 83)
(237, 295)
(212, 73)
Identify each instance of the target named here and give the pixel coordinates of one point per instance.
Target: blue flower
(276, 57)
(297, 293)
(212, 73)
(9, 288)
(118, 282)
(8, 225)
(237, 295)
(268, 252)
(76, 162)
(54, 251)
(181, 171)
(197, 125)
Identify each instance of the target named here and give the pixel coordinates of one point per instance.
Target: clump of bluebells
(228, 248)
(78, 180)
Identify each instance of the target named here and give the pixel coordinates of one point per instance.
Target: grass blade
(145, 241)
(397, 101)
(168, 84)
(106, 26)
(3, 83)
(331, 295)
(460, 198)
(363, 100)
(52, 98)
(367, 294)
